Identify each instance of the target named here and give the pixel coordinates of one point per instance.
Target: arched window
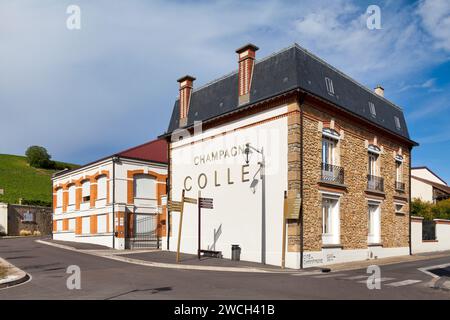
(101, 187)
(144, 187)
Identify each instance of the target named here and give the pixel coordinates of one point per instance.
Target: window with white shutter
(59, 198)
(101, 223)
(86, 225)
(101, 188)
(144, 187)
(86, 193)
(72, 189)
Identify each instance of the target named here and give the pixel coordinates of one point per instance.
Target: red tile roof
(155, 150)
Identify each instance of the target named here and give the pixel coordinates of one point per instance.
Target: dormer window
(372, 109)
(330, 87)
(397, 123)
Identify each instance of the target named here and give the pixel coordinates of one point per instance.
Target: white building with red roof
(117, 201)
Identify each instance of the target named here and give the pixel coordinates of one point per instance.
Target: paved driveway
(103, 278)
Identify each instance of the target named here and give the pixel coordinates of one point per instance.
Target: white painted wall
(442, 237)
(421, 190)
(236, 217)
(426, 174)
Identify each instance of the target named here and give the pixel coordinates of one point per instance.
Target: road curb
(18, 276)
(169, 265)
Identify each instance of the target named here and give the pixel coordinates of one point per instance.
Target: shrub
(38, 157)
(430, 211)
(24, 232)
(441, 210)
(40, 203)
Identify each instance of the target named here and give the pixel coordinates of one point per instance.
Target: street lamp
(247, 151)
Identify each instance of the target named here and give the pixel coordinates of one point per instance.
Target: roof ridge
(312, 55)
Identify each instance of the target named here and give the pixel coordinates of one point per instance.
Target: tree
(38, 157)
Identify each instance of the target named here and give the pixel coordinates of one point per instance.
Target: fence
(429, 236)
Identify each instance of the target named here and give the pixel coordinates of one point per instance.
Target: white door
(374, 224)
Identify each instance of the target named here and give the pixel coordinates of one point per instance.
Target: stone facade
(42, 219)
(352, 151)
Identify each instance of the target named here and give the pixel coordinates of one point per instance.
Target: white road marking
(378, 280)
(356, 277)
(426, 269)
(403, 283)
(331, 275)
(310, 273)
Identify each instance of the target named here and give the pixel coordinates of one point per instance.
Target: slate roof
(289, 69)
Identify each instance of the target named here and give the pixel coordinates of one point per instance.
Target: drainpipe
(114, 160)
(168, 195)
(301, 100)
(409, 204)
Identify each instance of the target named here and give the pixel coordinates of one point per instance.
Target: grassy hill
(19, 180)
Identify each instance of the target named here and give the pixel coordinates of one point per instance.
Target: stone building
(290, 125)
(15, 218)
(117, 201)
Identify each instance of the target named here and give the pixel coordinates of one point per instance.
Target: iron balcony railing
(400, 186)
(375, 183)
(331, 173)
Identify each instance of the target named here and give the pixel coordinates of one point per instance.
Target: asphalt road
(102, 278)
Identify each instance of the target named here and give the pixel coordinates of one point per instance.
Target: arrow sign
(190, 200)
(175, 205)
(206, 203)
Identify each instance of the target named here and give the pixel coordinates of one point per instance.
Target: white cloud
(435, 15)
(428, 84)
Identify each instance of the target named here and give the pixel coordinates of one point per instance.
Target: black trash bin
(235, 252)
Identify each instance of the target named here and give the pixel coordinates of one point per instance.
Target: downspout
(114, 159)
(168, 194)
(301, 100)
(409, 204)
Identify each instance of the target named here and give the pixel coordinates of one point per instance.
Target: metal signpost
(206, 203)
(179, 206)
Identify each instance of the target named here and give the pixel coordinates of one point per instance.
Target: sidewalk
(13, 275)
(385, 261)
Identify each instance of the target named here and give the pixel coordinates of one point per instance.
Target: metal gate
(142, 231)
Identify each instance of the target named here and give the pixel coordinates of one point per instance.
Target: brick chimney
(379, 90)
(186, 85)
(246, 56)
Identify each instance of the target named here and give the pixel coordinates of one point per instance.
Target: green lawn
(19, 180)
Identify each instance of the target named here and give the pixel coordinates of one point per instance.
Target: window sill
(375, 244)
(332, 246)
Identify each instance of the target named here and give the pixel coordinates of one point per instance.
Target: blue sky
(87, 93)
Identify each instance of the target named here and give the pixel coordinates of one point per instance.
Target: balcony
(332, 174)
(375, 183)
(399, 186)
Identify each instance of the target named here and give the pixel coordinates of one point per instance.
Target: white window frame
(397, 123)
(331, 236)
(372, 109)
(398, 171)
(102, 223)
(329, 85)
